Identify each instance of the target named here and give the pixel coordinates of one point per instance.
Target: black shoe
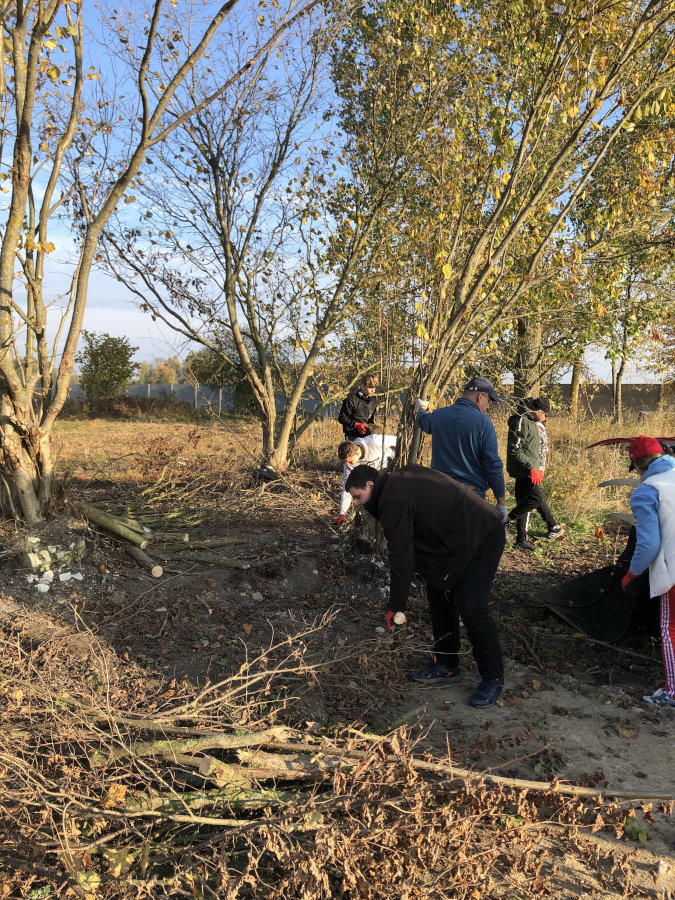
(487, 692)
(435, 673)
(555, 533)
(525, 545)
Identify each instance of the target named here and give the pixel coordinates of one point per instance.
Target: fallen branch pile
(174, 792)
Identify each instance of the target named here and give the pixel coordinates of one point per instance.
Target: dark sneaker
(525, 545)
(487, 692)
(555, 533)
(661, 697)
(435, 673)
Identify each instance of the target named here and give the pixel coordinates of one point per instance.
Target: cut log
(291, 766)
(113, 525)
(233, 797)
(224, 774)
(135, 525)
(144, 560)
(170, 537)
(168, 749)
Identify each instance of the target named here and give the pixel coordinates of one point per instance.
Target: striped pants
(668, 638)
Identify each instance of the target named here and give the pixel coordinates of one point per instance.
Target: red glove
(390, 618)
(536, 477)
(627, 578)
(361, 427)
(338, 522)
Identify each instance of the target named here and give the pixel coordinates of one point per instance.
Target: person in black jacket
(454, 540)
(357, 412)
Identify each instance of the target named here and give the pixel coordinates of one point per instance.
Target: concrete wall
(596, 399)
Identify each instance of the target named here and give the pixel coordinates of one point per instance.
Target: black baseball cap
(484, 386)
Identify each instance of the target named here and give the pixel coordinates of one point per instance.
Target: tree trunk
(618, 398)
(526, 371)
(25, 458)
(575, 384)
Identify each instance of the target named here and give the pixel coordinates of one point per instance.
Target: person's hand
(338, 522)
(627, 578)
(536, 476)
(421, 404)
(361, 427)
(501, 508)
(395, 618)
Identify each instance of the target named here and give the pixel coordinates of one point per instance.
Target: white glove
(504, 511)
(421, 404)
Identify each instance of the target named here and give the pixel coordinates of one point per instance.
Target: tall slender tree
(70, 156)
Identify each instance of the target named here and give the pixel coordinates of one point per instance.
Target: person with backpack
(526, 457)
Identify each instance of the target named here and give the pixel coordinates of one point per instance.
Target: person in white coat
(653, 505)
(376, 450)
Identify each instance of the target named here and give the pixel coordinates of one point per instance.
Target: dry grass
(207, 459)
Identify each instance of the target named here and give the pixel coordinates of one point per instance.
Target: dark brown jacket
(433, 526)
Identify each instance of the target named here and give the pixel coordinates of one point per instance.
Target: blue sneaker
(487, 692)
(435, 673)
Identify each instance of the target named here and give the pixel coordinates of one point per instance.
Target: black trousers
(528, 498)
(468, 598)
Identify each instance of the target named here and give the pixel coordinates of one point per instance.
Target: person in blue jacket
(653, 505)
(464, 440)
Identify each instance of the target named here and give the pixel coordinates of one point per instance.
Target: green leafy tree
(208, 368)
(529, 99)
(106, 366)
(160, 371)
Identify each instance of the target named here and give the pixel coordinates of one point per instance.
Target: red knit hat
(643, 446)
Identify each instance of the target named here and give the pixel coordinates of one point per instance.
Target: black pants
(528, 498)
(468, 598)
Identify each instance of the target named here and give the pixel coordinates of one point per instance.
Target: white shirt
(378, 450)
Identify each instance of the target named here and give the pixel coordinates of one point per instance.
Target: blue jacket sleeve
(424, 421)
(645, 507)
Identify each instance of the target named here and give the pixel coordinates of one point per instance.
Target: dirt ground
(571, 709)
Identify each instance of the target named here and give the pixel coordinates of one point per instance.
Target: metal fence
(220, 400)
(595, 399)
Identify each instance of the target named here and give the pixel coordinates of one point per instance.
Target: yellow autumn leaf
(53, 73)
(119, 861)
(89, 882)
(447, 270)
(115, 796)
(536, 684)
(247, 629)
